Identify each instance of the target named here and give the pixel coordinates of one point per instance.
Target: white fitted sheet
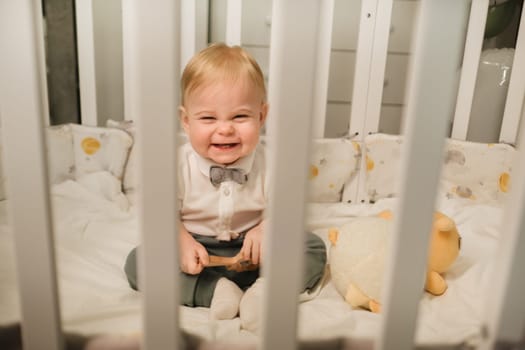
(94, 235)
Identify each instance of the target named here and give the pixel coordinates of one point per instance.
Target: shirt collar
(244, 163)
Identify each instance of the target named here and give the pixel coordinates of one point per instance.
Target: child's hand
(193, 255)
(252, 246)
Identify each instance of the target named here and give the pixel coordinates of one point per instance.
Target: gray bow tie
(219, 174)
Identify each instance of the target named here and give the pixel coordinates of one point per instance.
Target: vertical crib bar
(233, 22)
(326, 17)
(23, 107)
(431, 96)
(202, 9)
(505, 304)
(153, 83)
(292, 68)
(129, 62)
(378, 64)
(514, 102)
(364, 54)
(86, 61)
(365, 46)
(372, 108)
(189, 32)
(469, 69)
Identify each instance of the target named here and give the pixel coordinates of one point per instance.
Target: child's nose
(226, 127)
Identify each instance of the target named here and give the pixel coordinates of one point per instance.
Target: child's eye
(207, 118)
(241, 117)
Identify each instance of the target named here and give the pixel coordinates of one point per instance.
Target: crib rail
(372, 51)
(189, 23)
(154, 56)
(374, 31)
(322, 69)
(86, 61)
(290, 59)
(153, 88)
(435, 59)
(233, 22)
(24, 112)
(469, 71)
(371, 57)
(505, 315)
(514, 104)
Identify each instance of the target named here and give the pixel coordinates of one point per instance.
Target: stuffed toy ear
(444, 223)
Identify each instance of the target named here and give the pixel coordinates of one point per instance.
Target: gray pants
(197, 290)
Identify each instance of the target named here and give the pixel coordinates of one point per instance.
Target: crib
(298, 86)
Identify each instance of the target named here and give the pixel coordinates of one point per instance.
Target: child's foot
(225, 301)
(250, 308)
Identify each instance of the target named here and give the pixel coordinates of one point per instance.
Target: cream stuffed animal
(357, 257)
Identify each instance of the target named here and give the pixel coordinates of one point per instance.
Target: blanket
(95, 228)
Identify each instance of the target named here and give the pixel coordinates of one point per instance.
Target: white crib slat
(365, 44)
(202, 9)
(86, 61)
(326, 17)
(153, 87)
(292, 67)
(505, 304)
(378, 64)
(23, 106)
(514, 102)
(233, 22)
(469, 69)
(358, 114)
(431, 96)
(189, 31)
(128, 59)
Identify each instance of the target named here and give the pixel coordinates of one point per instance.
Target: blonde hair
(218, 62)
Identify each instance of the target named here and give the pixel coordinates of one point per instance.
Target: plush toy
(359, 248)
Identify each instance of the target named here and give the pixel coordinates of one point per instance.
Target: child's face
(223, 119)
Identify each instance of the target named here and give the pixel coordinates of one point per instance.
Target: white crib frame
(151, 67)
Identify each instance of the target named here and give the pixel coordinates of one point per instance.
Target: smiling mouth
(224, 145)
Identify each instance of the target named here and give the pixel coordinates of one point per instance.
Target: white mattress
(94, 235)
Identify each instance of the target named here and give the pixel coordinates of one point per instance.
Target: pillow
(98, 148)
(477, 171)
(60, 155)
(103, 184)
(130, 181)
(382, 160)
(333, 163)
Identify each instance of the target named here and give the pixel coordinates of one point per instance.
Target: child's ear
(183, 115)
(264, 112)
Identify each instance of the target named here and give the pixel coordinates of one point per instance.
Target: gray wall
(61, 61)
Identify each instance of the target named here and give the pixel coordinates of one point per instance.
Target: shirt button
(226, 191)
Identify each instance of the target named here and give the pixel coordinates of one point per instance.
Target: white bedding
(94, 235)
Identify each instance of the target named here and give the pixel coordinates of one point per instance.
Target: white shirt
(226, 210)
